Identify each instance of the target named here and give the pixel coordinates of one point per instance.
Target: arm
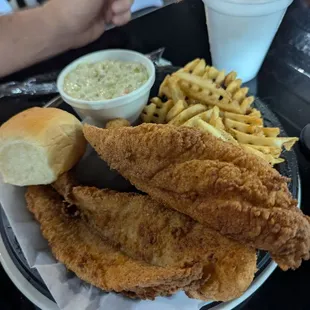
(30, 36)
(27, 37)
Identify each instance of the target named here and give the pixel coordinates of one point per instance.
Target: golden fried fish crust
(96, 262)
(145, 230)
(212, 181)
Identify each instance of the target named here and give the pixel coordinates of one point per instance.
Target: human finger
(121, 19)
(108, 15)
(121, 6)
(107, 11)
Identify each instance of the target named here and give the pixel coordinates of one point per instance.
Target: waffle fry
(208, 121)
(245, 119)
(190, 67)
(198, 69)
(268, 150)
(255, 112)
(192, 76)
(267, 157)
(202, 83)
(230, 78)
(180, 106)
(164, 89)
(175, 90)
(187, 114)
(215, 120)
(156, 111)
(194, 101)
(278, 142)
(218, 77)
(251, 129)
(211, 122)
(207, 128)
(204, 98)
(205, 116)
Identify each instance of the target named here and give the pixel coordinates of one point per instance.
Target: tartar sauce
(105, 80)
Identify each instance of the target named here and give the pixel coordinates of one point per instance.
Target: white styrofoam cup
(129, 106)
(241, 31)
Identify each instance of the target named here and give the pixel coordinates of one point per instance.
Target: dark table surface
(283, 83)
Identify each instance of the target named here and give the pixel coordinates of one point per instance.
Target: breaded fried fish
(144, 230)
(96, 262)
(214, 182)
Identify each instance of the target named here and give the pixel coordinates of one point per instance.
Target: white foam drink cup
(241, 31)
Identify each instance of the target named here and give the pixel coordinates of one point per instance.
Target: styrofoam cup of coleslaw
(127, 106)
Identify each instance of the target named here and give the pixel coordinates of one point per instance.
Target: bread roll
(38, 145)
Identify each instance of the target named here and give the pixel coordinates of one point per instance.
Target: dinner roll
(38, 145)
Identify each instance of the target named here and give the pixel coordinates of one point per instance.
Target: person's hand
(83, 21)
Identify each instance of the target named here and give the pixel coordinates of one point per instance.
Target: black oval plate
(289, 169)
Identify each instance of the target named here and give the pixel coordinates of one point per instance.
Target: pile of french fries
(202, 97)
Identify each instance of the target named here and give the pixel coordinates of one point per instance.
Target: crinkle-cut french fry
(164, 89)
(246, 119)
(187, 114)
(213, 73)
(180, 106)
(279, 142)
(192, 102)
(218, 77)
(206, 73)
(276, 161)
(219, 80)
(233, 86)
(271, 150)
(156, 111)
(195, 88)
(205, 116)
(246, 103)
(217, 123)
(191, 65)
(202, 83)
(176, 92)
(288, 143)
(252, 129)
(200, 68)
(205, 98)
(229, 123)
(240, 94)
(216, 120)
(216, 112)
(268, 131)
(254, 112)
(269, 158)
(187, 85)
(230, 77)
(207, 128)
(211, 88)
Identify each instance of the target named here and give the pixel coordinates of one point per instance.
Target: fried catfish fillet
(214, 182)
(145, 230)
(96, 262)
